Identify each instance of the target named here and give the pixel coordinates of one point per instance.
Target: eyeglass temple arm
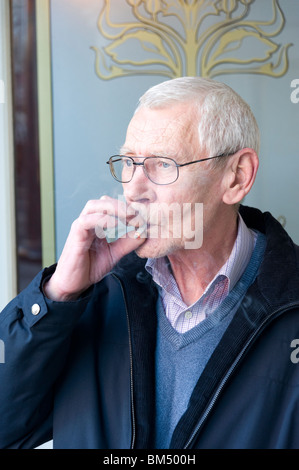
(178, 164)
(203, 159)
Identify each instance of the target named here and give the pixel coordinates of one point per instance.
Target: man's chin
(154, 248)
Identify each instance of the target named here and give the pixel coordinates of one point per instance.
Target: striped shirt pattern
(183, 317)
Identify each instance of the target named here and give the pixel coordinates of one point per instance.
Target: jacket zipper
(131, 366)
(232, 368)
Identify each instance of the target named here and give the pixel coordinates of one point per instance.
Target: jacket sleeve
(35, 335)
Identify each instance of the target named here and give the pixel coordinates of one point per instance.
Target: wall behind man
(90, 113)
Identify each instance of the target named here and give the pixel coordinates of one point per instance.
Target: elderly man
(167, 337)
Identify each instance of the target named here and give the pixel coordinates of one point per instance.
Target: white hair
(226, 123)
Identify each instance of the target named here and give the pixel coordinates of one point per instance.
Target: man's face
(171, 132)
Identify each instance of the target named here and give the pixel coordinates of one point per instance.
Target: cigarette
(137, 234)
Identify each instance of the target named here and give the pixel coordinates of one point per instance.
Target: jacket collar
(278, 277)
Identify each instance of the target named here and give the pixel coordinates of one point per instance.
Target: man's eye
(163, 164)
(128, 163)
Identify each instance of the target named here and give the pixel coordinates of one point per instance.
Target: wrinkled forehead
(156, 129)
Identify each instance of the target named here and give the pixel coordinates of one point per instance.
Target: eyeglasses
(159, 170)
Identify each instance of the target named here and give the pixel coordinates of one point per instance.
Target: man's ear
(240, 175)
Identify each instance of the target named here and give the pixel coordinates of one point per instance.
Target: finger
(119, 230)
(135, 227)
(106, 205)
(113, 219)
(89, 222)
(123, 246)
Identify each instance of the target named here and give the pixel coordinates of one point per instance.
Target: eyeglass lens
(158, 169)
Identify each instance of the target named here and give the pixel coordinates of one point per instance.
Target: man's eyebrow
(127, 151)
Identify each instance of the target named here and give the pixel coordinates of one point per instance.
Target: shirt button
(188, 315)
(35, 309)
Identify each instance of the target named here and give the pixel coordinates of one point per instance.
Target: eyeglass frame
(178, 165)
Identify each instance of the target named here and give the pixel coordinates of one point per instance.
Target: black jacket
(84, 373)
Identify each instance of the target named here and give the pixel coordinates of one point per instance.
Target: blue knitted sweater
(181, 357)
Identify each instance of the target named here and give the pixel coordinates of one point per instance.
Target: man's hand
(87, 257)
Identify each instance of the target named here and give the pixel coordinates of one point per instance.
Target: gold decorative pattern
(173, 38)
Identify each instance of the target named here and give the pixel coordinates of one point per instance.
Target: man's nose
(139, 189)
